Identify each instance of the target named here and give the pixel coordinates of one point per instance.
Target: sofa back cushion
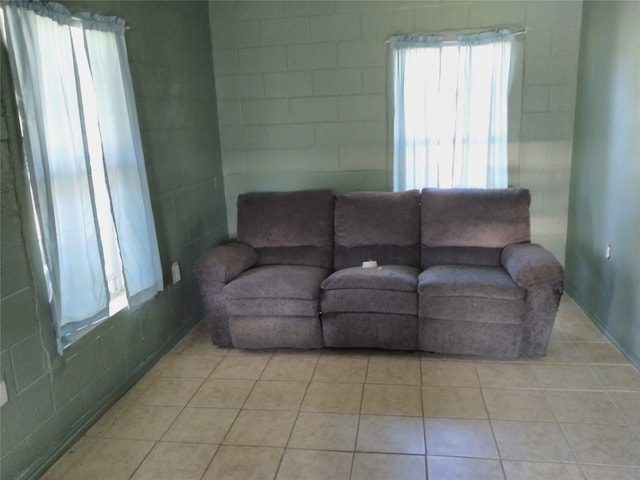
(381, 226)
(289, 228)
(472, 226)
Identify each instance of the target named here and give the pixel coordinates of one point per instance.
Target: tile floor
(206, 413)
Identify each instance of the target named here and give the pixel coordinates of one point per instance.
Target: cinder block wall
(303, 94)
(53, 398)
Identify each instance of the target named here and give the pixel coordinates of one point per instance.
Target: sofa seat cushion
(386, 277)
(360, 300)
(387, 289)
(288, 290)
(472, 293)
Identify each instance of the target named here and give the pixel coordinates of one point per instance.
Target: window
(450, 110)
(84, 163)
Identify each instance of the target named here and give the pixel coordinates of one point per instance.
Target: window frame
(108, 163)
(514, 101)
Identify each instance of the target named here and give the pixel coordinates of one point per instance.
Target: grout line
(424, 423)
(355, 443)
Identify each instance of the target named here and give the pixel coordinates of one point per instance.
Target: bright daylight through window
(108, 238)
(84, 163)
(450, 102)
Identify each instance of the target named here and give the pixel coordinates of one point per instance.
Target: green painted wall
(605, 194)
(52, 398)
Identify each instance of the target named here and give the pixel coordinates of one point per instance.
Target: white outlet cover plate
(175, 272)
(4, 397)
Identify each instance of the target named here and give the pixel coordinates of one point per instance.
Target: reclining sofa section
(456, 273)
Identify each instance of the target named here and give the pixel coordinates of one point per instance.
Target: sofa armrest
(538, 272)
(530, 264)
(213, 271)
(225, 262)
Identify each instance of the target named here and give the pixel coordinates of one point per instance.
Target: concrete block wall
(53, 398)
(552, 46)
(303, 94)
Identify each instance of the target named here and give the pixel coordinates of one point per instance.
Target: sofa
(449, 271)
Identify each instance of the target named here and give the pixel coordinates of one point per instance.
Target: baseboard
(635, 361)
(39, 467)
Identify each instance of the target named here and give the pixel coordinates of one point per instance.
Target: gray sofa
(457, 273)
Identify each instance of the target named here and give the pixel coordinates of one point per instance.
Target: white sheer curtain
(450, 110)
(416, 85)
(84, 162)
(480, 158)
(123, 158)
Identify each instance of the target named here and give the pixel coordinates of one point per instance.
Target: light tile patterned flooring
(206, 413)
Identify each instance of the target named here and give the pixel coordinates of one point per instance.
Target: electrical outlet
(175, 272)
(4, 397)
(607, 252)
